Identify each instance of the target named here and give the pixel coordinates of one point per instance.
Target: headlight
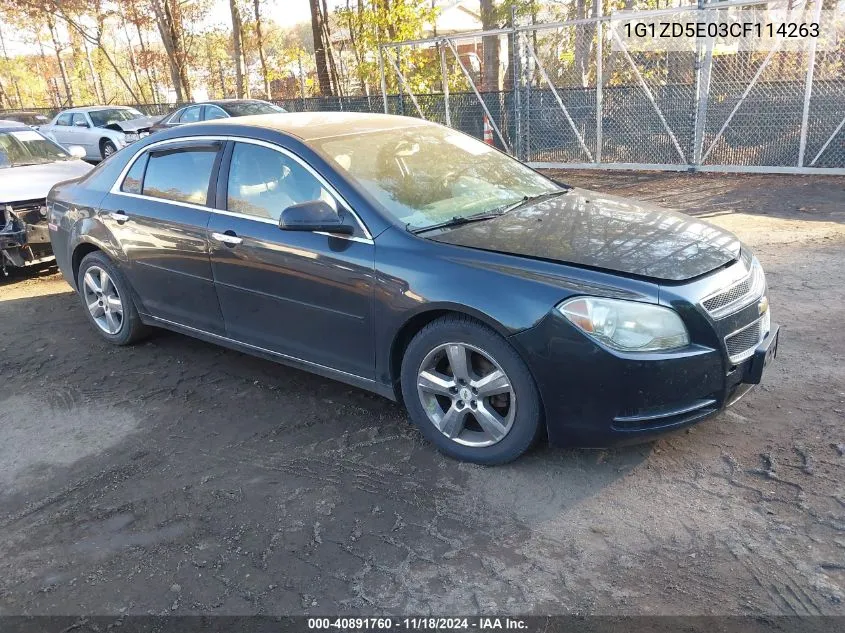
(628, 326)
(130, 137)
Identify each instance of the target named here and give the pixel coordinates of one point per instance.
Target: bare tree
(317, 33)
(148, 61)
(51, 24)
(490, 45)
(171, 29)
(237, 48)
(259, 42)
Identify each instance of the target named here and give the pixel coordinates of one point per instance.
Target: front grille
(742, 343)
(738, 295)
(727, 297)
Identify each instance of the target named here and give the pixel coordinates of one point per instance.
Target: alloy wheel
(103, 300)
(466, 394)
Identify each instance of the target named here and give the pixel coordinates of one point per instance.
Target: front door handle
(119, 216)
(228, 238)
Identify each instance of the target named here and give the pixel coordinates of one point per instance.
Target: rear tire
(469, 392)
(107, 300)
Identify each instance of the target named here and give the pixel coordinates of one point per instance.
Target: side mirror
(80, 124)
(77, 151)
(314, 215)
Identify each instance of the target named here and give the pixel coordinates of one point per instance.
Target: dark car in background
(417, 262)
(219, 109)
(32, 119)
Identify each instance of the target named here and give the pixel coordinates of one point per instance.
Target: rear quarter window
(133, 181)
(181, 175)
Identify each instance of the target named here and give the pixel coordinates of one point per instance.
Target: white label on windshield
(26, 135)
(469, 145)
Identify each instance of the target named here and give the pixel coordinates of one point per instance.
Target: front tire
(107, 301)
(469, 392)
(107, 148)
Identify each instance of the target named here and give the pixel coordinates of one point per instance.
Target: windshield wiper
(527, 199)
(457, 221)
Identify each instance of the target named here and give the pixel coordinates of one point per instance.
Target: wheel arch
(417, 321)
(79, 252)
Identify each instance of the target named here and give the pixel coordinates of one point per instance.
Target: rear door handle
(229, 238)
(119, 216)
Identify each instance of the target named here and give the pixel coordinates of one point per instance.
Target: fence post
(301, 82)
(516, 80)
(445, 80)
(526, 101)
(599, 78)
(808, 86)
(703, 67)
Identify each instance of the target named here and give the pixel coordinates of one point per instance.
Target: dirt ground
(179, 477)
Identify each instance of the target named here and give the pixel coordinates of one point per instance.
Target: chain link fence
(582, 96)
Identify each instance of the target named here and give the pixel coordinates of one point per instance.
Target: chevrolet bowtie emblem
(763, 305)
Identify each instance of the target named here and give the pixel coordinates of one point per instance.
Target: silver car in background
(30, 165)
(99, 130)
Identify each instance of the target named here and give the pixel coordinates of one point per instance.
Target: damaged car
(99, 130)
(30, 165)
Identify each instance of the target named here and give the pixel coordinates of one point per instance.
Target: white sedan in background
(99, 130)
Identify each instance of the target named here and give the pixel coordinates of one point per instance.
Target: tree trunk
(259, 40)
(327, 35)
(132, 61)
(236, 45)
(323, 77)
(101, 98)
(6, 57)
(490, 80)
(52, 26)
(45, 73)
(147, 57)
(352, 25)
(170, 28)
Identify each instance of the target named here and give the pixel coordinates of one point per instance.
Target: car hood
(589, 229)
(34, 181)
(135, 125)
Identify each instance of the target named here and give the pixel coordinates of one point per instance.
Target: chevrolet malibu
(406, 258)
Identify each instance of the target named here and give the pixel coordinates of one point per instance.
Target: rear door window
(64, 119)
(180, 174)
(190, 115)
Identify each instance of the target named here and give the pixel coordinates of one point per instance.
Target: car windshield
(102, 118)
(245, 108)
(427, 175)
(28, 147)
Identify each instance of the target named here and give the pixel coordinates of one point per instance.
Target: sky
(282, 12)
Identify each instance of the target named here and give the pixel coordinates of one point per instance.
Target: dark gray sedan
(409, 259)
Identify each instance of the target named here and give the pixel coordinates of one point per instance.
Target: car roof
(4, 125)
(230, 101)
(96, 107)
(310, 126)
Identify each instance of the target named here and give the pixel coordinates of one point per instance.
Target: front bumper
(594, 397)
(24, 238)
